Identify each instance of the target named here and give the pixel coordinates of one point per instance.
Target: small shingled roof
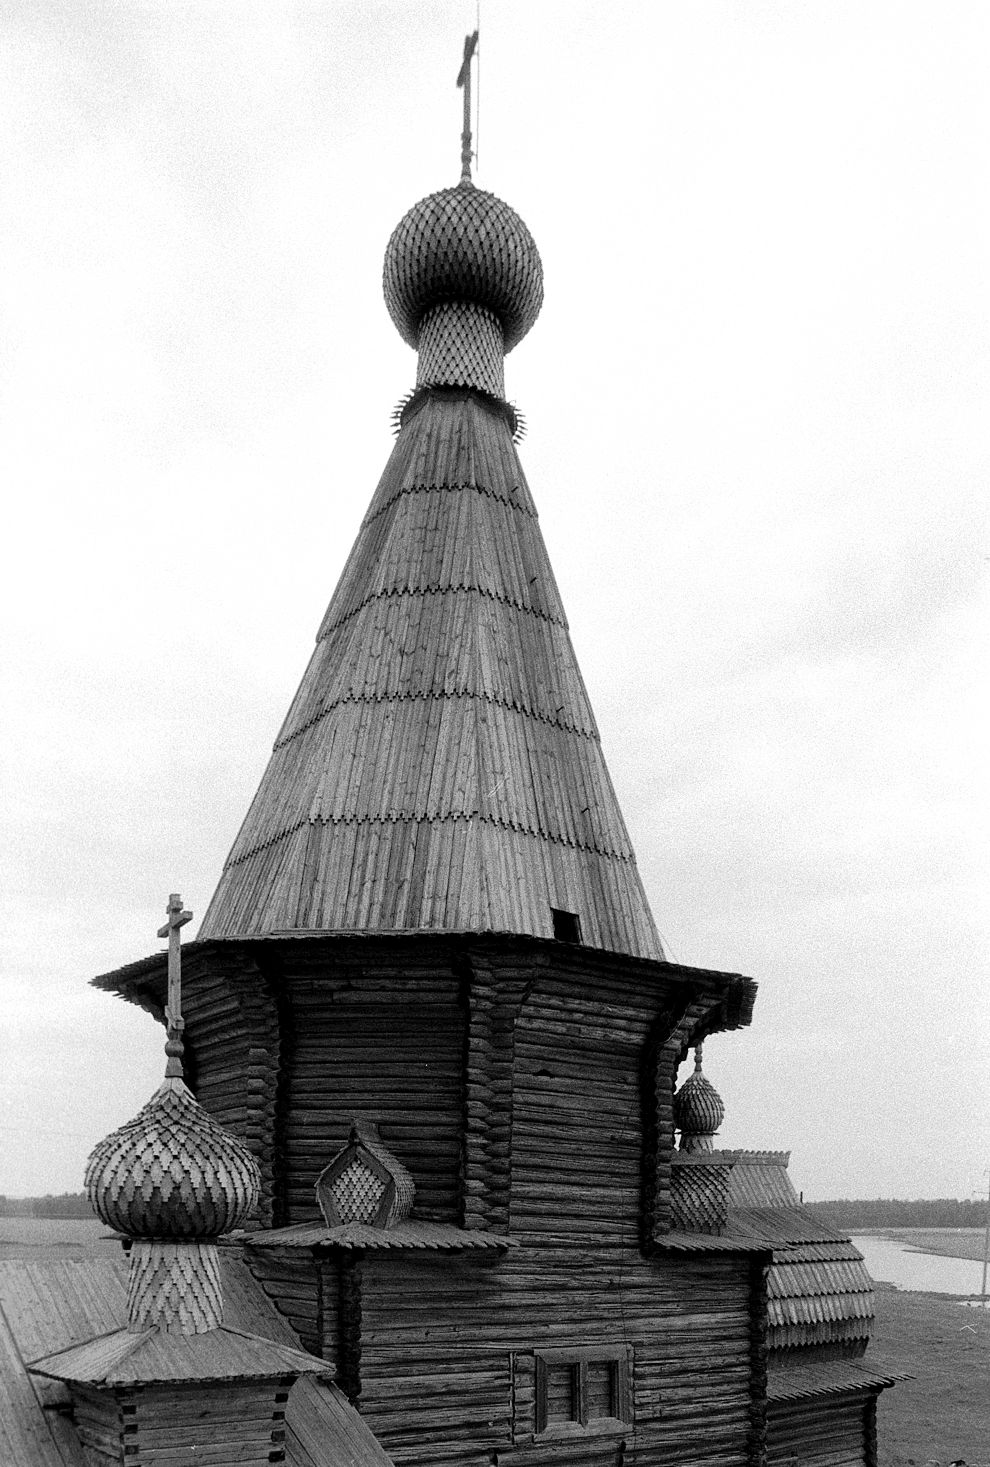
(819, 1292)
(410, 1235)
(154, 1356)
(826, 1378)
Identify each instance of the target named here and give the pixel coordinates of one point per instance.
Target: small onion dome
(463, 245)
(365, 1183)
(172, 1172)
(698, 1108)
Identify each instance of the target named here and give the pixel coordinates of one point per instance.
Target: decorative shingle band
(174, 1286)
(565, 725)
(461, 345)
(408, 406)
(443, 817)
(410, 489)
(393, 595)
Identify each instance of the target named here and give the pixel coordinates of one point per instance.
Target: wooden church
(438, 1198)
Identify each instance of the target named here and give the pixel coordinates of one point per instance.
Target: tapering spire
(440, 768)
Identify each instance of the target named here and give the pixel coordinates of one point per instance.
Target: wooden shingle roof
(440, 767)
(55, 1303)
(819, 1292)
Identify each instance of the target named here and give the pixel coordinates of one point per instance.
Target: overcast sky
(758, 438)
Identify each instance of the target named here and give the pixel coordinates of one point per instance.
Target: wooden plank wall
(289, 1278)
(827, 1431)
(232, 1060)
(457, 1384)
(369, 1042)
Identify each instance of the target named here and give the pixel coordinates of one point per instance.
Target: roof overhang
(732, 995)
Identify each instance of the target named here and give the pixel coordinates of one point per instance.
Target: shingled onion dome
(172, 1180)
(463, 284)
(698, 1110)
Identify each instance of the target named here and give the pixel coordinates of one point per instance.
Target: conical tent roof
(440, 767)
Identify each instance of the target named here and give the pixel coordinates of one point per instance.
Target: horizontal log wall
(826, 1431)
(584, 1046)
(447, 1354)
(447, 1362)
(233, 1041)
(385, 1046)
(104, 1422)
(227, 1424)
(290, 1279)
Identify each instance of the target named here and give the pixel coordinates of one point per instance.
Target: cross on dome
(464, 81)
(177, 918)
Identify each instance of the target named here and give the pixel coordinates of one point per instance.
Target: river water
(926, 1273)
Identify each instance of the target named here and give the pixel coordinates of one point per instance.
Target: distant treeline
(67, 1204)
(888, 1212)
(883, 1212)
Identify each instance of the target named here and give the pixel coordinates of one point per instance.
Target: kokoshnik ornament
(172, 1180)
(698, 1110)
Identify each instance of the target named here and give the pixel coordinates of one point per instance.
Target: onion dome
(172, 1172)
(463, 246)
(698, 1110)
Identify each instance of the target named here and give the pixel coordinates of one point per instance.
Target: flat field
(66, 1237)
(943, 1414)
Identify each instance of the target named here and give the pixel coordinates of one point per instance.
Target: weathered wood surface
(470, 1381)
(232, 1040)
(27, 1431)
(392, 1055)
(440, 767)
(443, 1349)
(238, 1426)
(825, 1432)
(46, 1306)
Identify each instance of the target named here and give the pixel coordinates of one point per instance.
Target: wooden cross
(176, 918)
(464, 80)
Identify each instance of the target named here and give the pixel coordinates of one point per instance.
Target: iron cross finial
(464, 81)
(177, 918)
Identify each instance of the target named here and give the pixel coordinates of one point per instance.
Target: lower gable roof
(51, 1305)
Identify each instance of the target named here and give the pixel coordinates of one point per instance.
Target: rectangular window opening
(582, 1389)
(566, 925)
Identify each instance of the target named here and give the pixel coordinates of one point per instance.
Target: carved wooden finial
(464, 81)
(177, 918)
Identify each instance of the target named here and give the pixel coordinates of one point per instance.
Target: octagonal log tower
(431, 926)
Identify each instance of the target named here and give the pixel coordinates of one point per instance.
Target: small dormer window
(566, 925)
